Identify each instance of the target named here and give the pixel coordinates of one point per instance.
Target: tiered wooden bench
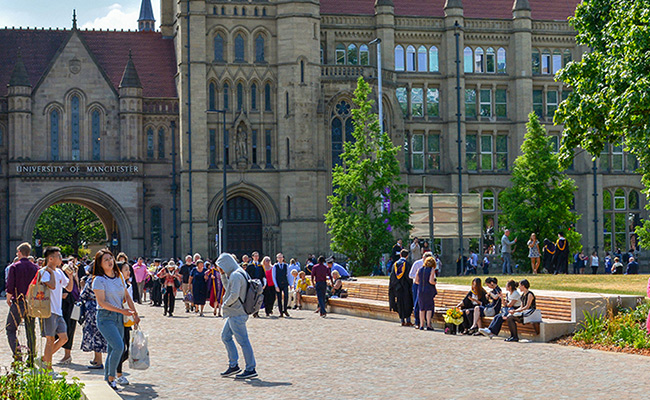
(370, 299)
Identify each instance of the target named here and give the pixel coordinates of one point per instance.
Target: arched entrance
(110, 212)
(244, 233)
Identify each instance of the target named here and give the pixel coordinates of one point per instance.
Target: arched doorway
(244, 233)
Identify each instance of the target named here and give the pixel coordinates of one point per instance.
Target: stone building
(281, 74)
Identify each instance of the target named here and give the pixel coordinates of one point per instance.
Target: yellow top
(301, 284)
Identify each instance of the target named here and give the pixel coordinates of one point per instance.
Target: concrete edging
(98, 390)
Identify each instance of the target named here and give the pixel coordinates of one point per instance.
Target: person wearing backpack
(235, 281)
(18, 279)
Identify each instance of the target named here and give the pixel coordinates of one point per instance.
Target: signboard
(76, 169)
(441, 211)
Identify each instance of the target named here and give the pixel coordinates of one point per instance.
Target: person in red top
(168, 275)
(20, 276)
(319, 275)
(269, 289)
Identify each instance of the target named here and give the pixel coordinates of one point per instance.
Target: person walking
(319, 275)
(400, 296)
(533, 252)
(235, 280)
(92, 339)
(561, 256)
(269, 289)
(67, 305)
(111, 293)
(281, 277)
(18, 279)
(506, 251)
(199, 286)
(169, 275)
(141, 276)
(215, 288)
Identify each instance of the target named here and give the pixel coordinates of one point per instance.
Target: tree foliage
(358, 224)
(541, 195)
(610, 101)
(69, 226)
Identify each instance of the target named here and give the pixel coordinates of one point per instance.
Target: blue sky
(97, 14)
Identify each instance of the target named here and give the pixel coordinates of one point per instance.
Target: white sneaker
(55, 375)
(122, 380)
(486, 332)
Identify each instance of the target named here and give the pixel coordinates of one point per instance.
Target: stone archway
(109, 211)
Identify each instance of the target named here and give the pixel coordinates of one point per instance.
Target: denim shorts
(53, 325)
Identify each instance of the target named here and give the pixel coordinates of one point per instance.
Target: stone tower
(20, 111)
(130, 93)
(146, 21)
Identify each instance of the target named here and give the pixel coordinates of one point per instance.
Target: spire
(130, 77)
(74, 19)
(19, 76)
(384, 3)
(146, 21)
(521, 5)
(453, 4)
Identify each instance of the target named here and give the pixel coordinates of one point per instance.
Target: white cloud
(116, 18)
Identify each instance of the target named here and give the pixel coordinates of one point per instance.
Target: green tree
(69, 226)
(540, 198)
(369, 176)
(610, 99)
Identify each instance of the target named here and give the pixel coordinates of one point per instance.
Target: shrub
(23, 383)
(627, 329)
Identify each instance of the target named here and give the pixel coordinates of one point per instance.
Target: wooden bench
(371, 300)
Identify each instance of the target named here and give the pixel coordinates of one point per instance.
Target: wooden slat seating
(372, 300)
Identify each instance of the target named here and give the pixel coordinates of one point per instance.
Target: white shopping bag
(139, 350)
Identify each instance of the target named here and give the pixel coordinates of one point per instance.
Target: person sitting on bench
(528, 302)
(512, 301)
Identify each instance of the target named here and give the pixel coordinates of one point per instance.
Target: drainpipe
(7, 231)
(189, 124)
(174, 191)
(461, 250)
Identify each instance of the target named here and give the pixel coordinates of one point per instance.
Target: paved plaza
(343, 357)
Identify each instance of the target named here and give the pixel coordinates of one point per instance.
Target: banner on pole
(444, 208)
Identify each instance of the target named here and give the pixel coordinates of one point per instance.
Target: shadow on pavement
(139, 391)
(261, 383)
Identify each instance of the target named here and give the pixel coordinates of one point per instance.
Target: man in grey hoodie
(235, 280)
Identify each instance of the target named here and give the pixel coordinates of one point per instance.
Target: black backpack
(253, 300)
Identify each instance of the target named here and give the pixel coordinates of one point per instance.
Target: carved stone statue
(242, 147)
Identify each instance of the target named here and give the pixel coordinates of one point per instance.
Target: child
(300, 288)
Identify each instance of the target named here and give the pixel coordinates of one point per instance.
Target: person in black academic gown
(561, 256)
(399, 290)
(547, 253)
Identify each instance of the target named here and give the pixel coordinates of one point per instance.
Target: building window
(551, 103)
(288, 206)
(417, 102)
(433, 59)
(557, 61)
(302, 71)
(341, 117)
(615, 158)
(156, 231)
(621, 219)
(322, 54)
(468, 60)
(486, 103)
(417, 153)
(286, 102)
(239, 49)
(340, 54)
(212, 94)
(227, 146)
(399, 58)
(256, 12)
(352, 54)
(269, 161)
(54, 134)
(501, 103)
(254, 146)
(259, 49)
(264, 12)
(554, 141)
(150, 143)
(402, 99)
(433, 152)
(364, 55)
(546, 62)
(218, 48)
(74, 127)
(479, 61)
(240, 96)
(490, 61)
(213, 148)
(470, 153)
(267, 97)
(226, 96)
(422, 59)
(502, 152)
(501, 61)
(223, 10)
(2, 134)
(538, 103)
(470, 103)
(288, 153)
(253, 97)
(243, 11)
(161, 143)
(433, 102)
(486, 152)
(536, 62)
(96, 135)
(410, 59)
(567, 57)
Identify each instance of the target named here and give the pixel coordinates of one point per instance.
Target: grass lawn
(617, 284)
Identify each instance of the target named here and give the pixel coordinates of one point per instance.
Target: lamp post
(224, 208)
(461, 250)
(595, 173)
(377, 41)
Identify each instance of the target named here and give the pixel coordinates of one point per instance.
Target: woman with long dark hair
(111, 295)
(473, 302)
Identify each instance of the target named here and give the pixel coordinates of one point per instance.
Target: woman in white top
(593, 261)
(512, 301)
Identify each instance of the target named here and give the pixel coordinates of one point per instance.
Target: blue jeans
(416, 308)
(237, 326)
(321, 289)
(111, 326)
(507, 263)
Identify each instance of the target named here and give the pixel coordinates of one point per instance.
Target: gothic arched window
(267, 97)
(226, 99)
(212, 92)
(161, 143)
(259, 49)
(54, 134)
(218, 48)
(253, 97)
(96, 135)
(240, 96)
(150, 143)
(74, 127)
(239, 49)
(341, 118)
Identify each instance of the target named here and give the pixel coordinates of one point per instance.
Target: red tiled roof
(488, 9)
(153, 56)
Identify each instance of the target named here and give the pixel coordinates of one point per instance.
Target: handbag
(489, 311)
(38, 297)
(532, 316)
(77, 313)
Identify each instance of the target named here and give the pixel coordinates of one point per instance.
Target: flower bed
(23, 383)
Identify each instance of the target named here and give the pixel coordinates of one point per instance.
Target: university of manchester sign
(77, 169)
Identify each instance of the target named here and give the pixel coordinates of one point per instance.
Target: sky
(91, 14)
